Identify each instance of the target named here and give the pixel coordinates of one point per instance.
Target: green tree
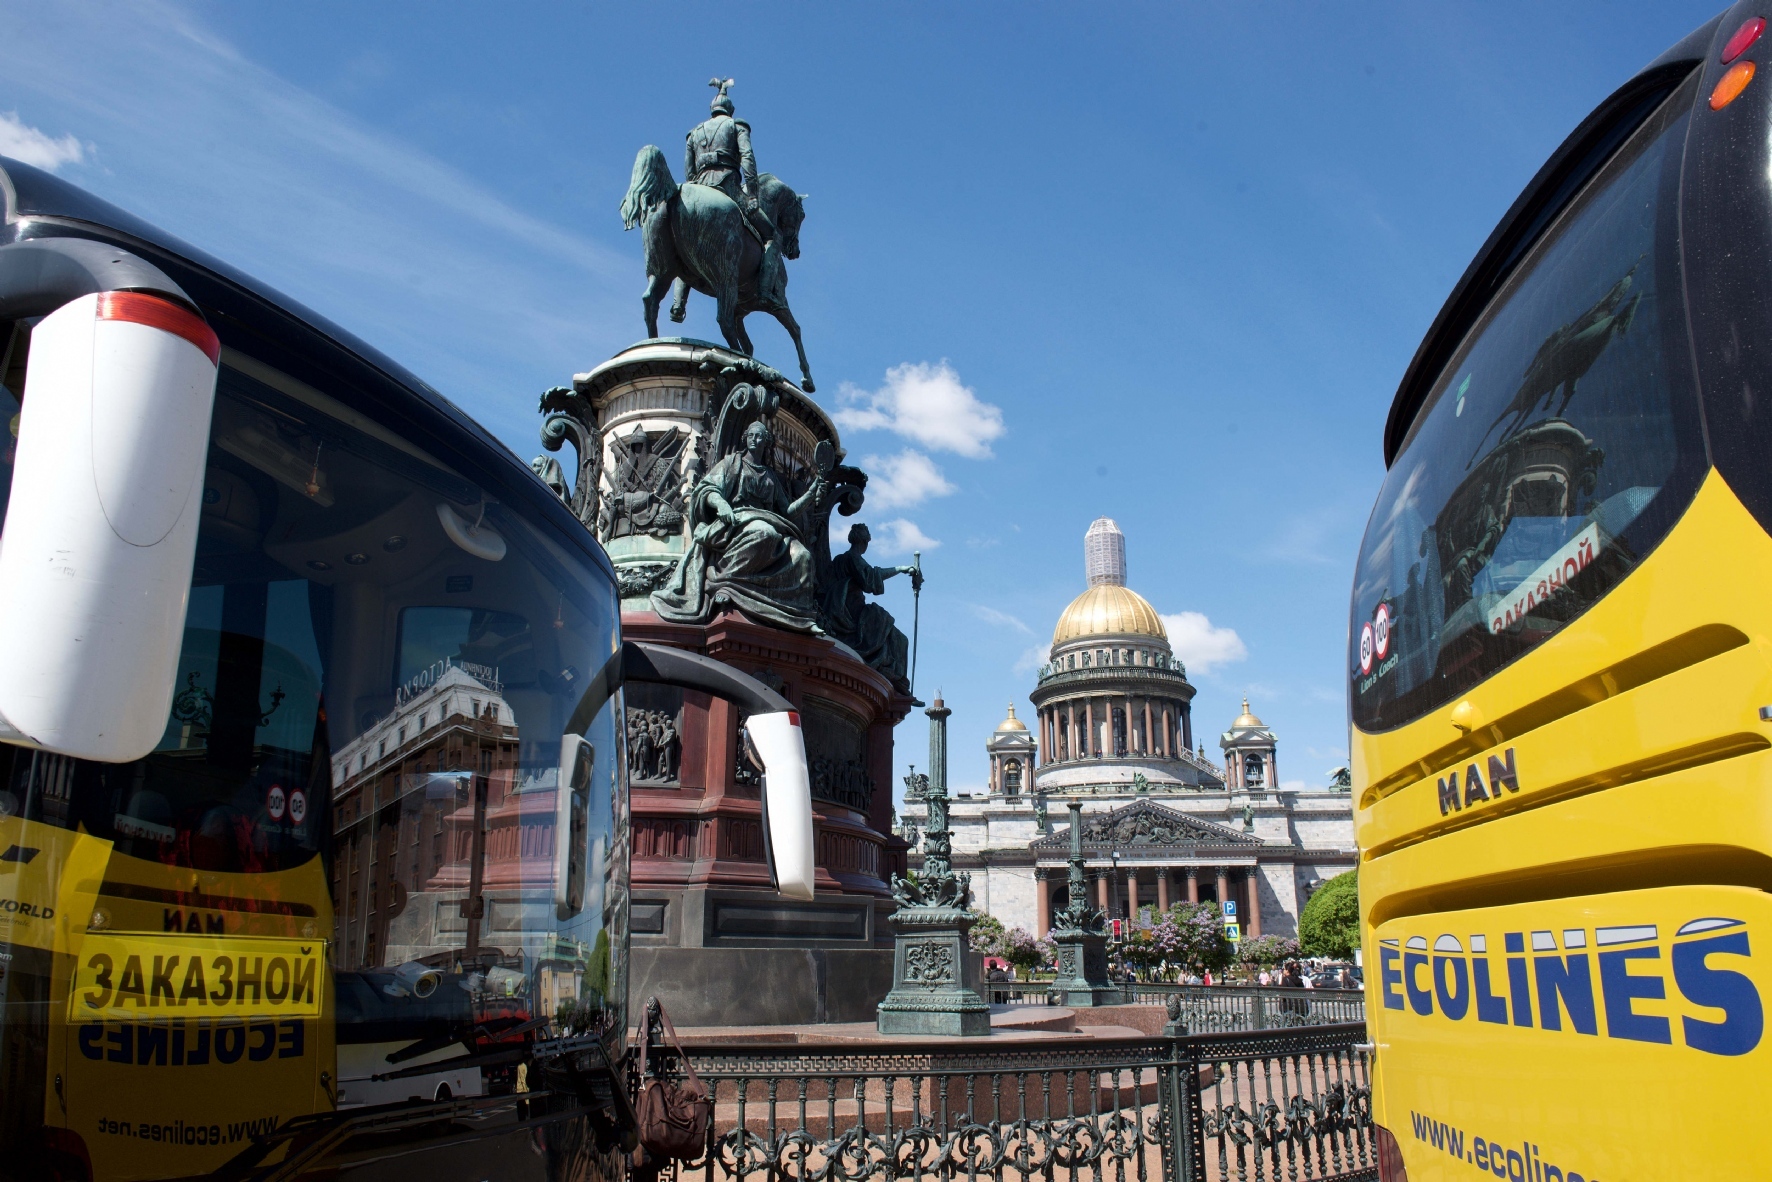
(1330, 923)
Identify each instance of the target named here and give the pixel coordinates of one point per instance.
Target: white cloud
(422, 259)
(1200, 644)
(23, 142)
(899, 536)
(1032, 658)
(991, 615)
(900, 481)
(926, 403)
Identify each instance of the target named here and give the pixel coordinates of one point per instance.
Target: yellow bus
(313, 795)
(1560, 662)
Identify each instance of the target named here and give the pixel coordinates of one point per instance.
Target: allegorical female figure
(746, 551)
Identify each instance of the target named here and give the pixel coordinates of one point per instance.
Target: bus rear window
(1554, 451)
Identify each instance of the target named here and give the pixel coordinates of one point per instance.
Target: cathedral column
(1150, 748)
(1131, 893)
(1101, 890)
(1187, 726)
(1043, 903)
(1252, 922)
(1163, 888)
(1070, 730)
(1224, 887)
(1193, 884)
(1089, 722)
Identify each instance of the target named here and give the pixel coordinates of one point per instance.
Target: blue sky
(1160, 262)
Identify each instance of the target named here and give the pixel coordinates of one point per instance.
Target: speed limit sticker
(1381, 631)
(1366, 649)
(275, 803)
(298, 807)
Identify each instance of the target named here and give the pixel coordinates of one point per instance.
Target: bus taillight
(1743, 38)
(1390, 1156)
(66, 1154)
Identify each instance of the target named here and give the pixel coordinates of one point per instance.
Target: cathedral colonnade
(1094, 725)
(1122, 890)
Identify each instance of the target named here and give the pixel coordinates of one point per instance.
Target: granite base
(761, 986)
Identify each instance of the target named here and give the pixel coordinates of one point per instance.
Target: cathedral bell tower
(1011, 748)
(1249, 761)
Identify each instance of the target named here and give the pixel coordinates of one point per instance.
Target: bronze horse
(698, 233)
(1565, 357)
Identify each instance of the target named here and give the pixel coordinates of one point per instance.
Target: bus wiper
(438, 1041)
(496, 1058)
(320, 1134)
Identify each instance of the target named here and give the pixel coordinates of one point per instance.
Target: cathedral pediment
(1144, 825)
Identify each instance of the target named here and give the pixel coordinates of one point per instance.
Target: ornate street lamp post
(934, 979)
(1078, 933)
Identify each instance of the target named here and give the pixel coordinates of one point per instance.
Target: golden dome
(1012, 723)
(1246, 718)
(1108, 609)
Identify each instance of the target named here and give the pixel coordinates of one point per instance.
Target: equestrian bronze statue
(727, 231)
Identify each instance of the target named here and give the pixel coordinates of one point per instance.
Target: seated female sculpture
(746, 551)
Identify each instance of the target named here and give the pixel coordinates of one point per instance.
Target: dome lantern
(1104, 553)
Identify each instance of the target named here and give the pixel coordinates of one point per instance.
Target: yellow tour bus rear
(1560, 663)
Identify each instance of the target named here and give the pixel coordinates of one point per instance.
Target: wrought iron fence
(1218, 1008)
(1259, 1105)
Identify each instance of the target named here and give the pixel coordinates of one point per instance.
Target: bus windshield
(1554, 450)
(332, 884)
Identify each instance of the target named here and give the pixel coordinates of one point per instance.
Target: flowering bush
(988, 936)
(1267, 950)
(1191, 936)
(1023, 952)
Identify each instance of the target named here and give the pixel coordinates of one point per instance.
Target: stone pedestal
(934, 974)
(1080, 936)
(1082, 971)
(936, 981)
(709, 935)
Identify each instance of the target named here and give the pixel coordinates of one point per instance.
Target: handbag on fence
(673, 1116)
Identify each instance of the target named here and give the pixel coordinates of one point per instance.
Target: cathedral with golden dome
(1112, 726)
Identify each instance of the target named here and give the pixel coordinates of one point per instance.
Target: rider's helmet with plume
(722, 105)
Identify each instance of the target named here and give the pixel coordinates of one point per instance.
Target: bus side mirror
(101, 527)
(787, 801)
(772, 734)
(572, 821)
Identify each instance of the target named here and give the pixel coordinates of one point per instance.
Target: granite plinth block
(1082, 980)
(935, 976)
(760, 986)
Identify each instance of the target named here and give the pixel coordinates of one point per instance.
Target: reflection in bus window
(358, 775)
(1557, 446)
